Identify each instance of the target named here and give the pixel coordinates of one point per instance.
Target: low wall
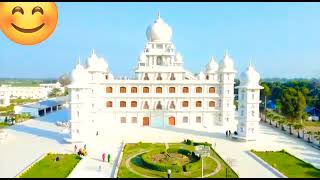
(30, 165)
(265, 164)
(118, 161)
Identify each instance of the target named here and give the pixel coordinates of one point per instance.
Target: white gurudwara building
(162, 93)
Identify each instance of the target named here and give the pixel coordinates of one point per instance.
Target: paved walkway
(29, 140)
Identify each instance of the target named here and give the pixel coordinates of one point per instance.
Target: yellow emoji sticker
(28, 23)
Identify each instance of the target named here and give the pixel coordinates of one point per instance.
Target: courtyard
(29, 140)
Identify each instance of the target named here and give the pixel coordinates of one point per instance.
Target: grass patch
(194, 170)
(49, 168)
(288, 164)
(3, 125)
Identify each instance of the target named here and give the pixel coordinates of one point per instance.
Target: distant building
(271, 105)
(4, 98)
(40, 92)
(41, 108)
(313, 113)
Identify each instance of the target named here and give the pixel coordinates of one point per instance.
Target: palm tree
(276, 119)
(270, 117)
(282, 121)
(298, 127)
(309, 135)
(290, 124)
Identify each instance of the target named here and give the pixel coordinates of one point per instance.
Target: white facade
(162, 93)
(4, 98)
(248, 106)
(40, 92)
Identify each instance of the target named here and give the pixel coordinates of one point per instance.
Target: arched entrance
(146, 121)
(172, 121)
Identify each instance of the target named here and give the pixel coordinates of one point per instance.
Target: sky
(280, 39)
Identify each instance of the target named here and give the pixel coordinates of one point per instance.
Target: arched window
(198, 119)
(146, 106)
(134, 89)
(185, 119)
(123, 119)
(134, 120)
(106, 77)
(146, 77)
(109, 103)
(185, 104)
(199, 90)
(123, 104)
(185, 90)
(212, 104)
(159, 77)
(159, 60)
(198, 104)
(212, 90)
(207, 77)
(134, 103)
(159, 106)
(159, 90)
(172, 89)
(145, 90)
(172, 77)
(109, 90)
(123, 89)
(172, 106)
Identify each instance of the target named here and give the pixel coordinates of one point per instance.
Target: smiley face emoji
(28, 23)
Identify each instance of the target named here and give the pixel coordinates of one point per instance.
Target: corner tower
(249, 99)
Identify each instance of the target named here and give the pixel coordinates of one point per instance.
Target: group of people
(228, 133)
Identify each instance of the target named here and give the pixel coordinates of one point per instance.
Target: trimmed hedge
(145, 158)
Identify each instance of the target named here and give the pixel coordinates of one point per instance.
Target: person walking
(229, 133)
(226, 133)
(85, 146)
(103, 156)
(75, 148)
(109, 157)
(97, 133)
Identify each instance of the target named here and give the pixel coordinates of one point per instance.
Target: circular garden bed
(175, 159)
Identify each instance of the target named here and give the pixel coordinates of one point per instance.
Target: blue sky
(280, 39)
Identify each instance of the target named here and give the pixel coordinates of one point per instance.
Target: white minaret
(248, 104)
(79, 93)
(226, 92)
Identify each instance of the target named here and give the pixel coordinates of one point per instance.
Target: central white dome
(159, 31)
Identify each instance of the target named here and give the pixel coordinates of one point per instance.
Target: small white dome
(94, 63)
(250, 77)
(201, 76)
(79, 75)
(212, 66)
(226, 64)
(159, 31)
(178, 58)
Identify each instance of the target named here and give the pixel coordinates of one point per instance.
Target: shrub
(189, 142)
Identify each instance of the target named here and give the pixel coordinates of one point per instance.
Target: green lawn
(137, 165)
(288, 164)
(49, 168)
(3, 125)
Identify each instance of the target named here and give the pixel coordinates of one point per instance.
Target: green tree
(281, 122)
(293, 104)
(55, 92)
(266, 93)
